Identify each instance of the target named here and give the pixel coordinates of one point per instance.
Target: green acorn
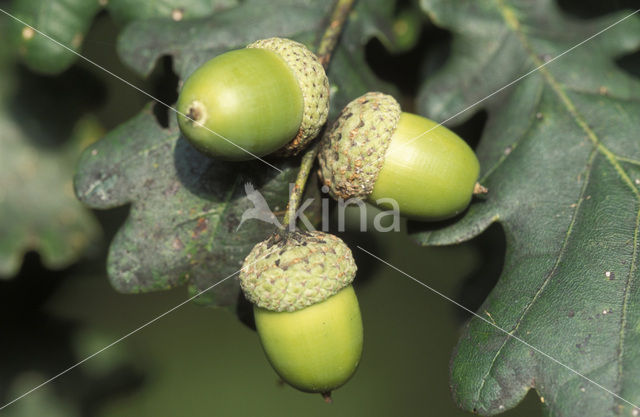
(305, 308)
(374, 151)
(271, 95)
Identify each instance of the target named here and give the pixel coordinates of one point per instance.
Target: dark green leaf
(66, 21)
(192, 43)
(186, 208)
(124, 11)
(561, 157)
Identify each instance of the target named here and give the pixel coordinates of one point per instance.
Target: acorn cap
(293, 271)
(313, 82)
(352, 152)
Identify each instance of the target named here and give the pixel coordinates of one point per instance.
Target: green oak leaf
(186, 208)
(124, 11)
(66, 21)
(192, 43)
(561, 157)
(38, 209)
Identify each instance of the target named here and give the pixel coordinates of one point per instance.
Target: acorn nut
(378, 153)
(272, 95)
(306, 311)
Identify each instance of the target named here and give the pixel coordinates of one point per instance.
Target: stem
(327, 397)
(328, 42)
(298, 189)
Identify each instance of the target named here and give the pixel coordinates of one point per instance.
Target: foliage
(41, 141)
(559, 154)
(561, 158)
(66, 23)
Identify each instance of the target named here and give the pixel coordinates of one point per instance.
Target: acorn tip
(327, 397)
(479, 189)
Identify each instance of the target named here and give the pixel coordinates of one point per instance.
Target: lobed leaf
(561, 158)
(66, 21)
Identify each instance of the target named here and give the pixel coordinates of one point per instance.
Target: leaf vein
(511, 21)
(625, 302)
(547, 279)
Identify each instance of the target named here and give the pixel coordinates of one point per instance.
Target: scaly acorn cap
(313, 83)
(352, 152)
(293, 271)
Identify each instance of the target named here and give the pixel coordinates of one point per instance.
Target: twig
(298, 189)
(330, 37)
(328, 42)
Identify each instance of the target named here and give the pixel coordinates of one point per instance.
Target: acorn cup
(378, 153)
(306, 311)
(271, 96)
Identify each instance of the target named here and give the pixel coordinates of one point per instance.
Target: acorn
(306, 311)
(378, 153)
(246, 103)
